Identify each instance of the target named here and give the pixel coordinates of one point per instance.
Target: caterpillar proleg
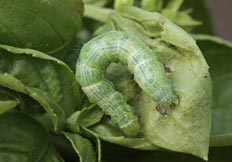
(149, 73)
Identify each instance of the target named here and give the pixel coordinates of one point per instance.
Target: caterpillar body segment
(149, 73)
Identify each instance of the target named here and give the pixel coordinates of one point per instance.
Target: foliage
(46, 116)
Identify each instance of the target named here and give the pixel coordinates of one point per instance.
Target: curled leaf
(45, 79)
(83, 147)
(7, 100)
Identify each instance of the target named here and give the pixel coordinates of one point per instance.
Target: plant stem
(97, 13)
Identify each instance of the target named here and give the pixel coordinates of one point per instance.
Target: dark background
(221, 11)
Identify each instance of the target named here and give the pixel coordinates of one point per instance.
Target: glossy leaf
(7, 100)
(98, 147)
(218, 53)
(83, 147)
(45, 79)
(46, 25)
(22, 138)
(73, 53)
(51, 155)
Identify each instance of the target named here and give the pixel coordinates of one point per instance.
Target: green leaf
(73, 53)
(178, 16)
(218, 53)
(96, 2)
(64, 147)
(83, 147)
(80, 120)
(200, 12)
(221, 154)
(7, 100)
(45, 79)
(152, 5)
(45, 25)
(91, 135)
(119, 4)
(112, 134)
(22, 138)
(88, 116)
(186, 128)
(7, 105)
(51, 155)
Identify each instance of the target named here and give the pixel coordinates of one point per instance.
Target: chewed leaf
(22, 138)
(184, 126)
(47, 80)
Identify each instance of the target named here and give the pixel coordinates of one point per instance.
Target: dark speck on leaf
(167, 69)
(161, 110)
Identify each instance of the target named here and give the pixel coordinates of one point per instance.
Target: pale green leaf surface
(186, 128)
(152, 5)
(96, 2)
(120, 4)
(22, 138)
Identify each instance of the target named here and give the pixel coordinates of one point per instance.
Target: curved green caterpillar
(149, 73)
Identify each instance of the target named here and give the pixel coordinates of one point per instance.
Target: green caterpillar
(149, 73)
